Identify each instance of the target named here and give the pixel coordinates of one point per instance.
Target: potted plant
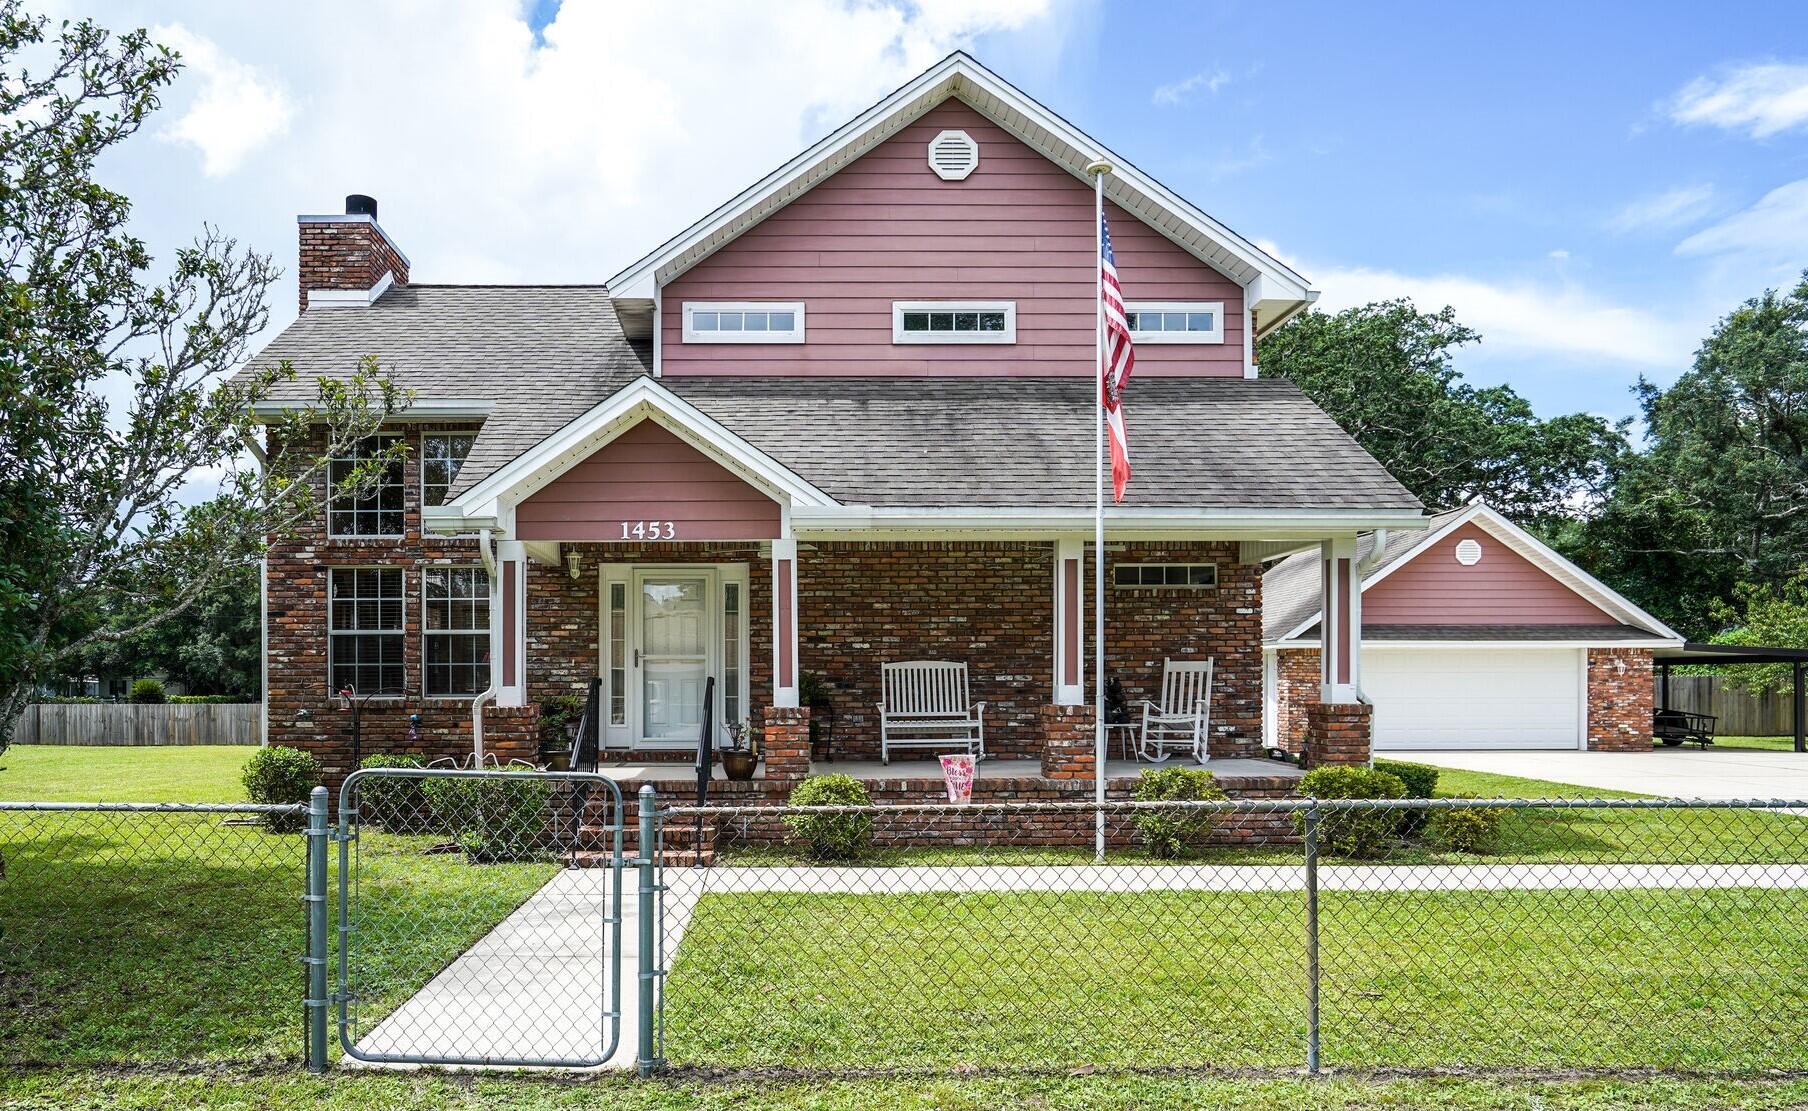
(742, 753)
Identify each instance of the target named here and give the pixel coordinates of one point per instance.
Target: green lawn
(62, 1090)
(1767, 744)
(71, 773)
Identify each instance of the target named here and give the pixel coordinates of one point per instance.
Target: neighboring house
(846, 418)
(1476, 635)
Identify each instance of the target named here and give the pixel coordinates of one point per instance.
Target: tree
(1768, 616)
(92, 516)
(212, 647)
(1383, 371)
(1719, 499)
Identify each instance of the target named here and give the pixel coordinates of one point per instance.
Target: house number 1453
(648, 530)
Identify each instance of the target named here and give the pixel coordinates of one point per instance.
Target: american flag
(1120, 357)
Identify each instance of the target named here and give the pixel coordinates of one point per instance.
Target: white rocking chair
(1182, 719)
(926, 706)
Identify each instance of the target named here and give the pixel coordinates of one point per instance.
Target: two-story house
(845, 419)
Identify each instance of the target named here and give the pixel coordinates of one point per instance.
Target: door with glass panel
(674, 647)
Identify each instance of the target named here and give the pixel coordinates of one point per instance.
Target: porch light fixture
(571, 561)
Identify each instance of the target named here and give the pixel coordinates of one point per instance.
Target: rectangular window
(365, 630)
(378, 512)
(954, 322)
(618, 653)
(731, 653)
(442, 453)
(1175, 321)
(455, 631)
(1165, 576)
(743, 322)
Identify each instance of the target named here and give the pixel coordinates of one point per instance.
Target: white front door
(673, 650)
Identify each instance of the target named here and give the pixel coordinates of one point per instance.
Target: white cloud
(1521, 318)
(1672, 208)
(1776, 228)
(1560, 254)
(1761, 99)
(237, 109)
(1179, 91)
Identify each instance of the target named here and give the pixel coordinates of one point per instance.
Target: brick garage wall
(353, 254)
(1620, 686)
(991, 604)
(296, 579)
(1296, 676)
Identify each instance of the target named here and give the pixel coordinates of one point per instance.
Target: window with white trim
(1175, 321)
(455, 631)
(731, 652)
(365, 630)
(442, 453)
(743, 322)
(378, 510)
(1165, 576)
(954, 322)
(618, 653)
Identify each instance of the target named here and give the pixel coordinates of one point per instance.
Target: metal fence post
(317, 947)
(1312, 816)
(646, 1057)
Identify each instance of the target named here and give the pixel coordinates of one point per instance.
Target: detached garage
(1475, 635)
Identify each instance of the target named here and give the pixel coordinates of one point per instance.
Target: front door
(673, 652)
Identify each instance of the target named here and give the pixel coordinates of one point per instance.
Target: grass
(1762, 744)
(71, 773)
(76, 1089)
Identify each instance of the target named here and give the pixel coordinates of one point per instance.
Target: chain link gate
(480, 917)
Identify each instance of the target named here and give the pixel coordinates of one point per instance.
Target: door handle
(637, 657)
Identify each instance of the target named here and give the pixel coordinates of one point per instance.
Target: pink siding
(647, 474)
(885, 228)
(787, 628)
(1070, 651)
(510, 568)
(1503, 589)
(1343, 621)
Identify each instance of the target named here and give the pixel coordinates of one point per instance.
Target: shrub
(1421, 782)
(831, 836)
(1354, 833)
(397, 804)
(148, 692)
(279, 776)
(1168, 833)
(1466, 829)
(493, 818)
(559, 714)
(209, 699)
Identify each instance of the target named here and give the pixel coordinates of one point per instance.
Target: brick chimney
(342, 256)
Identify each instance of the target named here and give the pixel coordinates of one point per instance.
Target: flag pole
(1098, 168)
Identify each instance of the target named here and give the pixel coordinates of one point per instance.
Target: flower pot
(739, 766)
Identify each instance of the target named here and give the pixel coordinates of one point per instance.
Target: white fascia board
(420, 409)
(1203, 523)
(644, 398)
(1369, 645)
(446, 520)
(953, 76)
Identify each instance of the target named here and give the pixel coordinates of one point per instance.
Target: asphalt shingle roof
(1290, 588)
(543, 355)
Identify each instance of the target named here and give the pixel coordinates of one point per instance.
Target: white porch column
(1340, 630)
(784, 622)
(1069, 642)
(511, 570)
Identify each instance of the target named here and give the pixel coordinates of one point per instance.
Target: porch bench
(926, 705)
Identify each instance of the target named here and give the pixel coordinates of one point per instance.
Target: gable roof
(1275, 289)
(1290, 589)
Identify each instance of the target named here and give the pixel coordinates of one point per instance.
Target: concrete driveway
(1671, 772)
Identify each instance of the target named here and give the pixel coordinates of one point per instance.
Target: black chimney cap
(357, 204)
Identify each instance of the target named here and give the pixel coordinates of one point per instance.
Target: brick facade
(1620, 704)
(1297, 677)
(786, 739)
(1337, 733)
(1069, 742)
(349, 254)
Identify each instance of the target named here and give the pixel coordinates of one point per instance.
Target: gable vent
(1468, 553)
(953, 155)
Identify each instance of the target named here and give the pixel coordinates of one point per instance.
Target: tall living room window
(455, 631)
(365, 630)
(378, 511)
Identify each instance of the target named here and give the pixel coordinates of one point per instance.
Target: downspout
(488, 553)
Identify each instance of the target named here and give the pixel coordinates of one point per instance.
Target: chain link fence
(1414, 933)
(150, 932)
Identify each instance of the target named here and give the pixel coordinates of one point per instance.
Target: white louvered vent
(953, 155)
(1468, 553)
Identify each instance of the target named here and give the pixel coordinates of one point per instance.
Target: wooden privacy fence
(127, 723)
(1741, 713)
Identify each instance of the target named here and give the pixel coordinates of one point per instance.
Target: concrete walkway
(1669, 772)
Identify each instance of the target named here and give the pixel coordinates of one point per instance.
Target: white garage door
(1474, 697)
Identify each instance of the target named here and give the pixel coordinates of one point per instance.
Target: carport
(1720, 654)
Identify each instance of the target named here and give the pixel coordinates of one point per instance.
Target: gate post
(315, 899)
(1312, 938)
(646, 1057)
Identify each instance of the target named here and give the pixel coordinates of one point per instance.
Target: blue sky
(1590, 185)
